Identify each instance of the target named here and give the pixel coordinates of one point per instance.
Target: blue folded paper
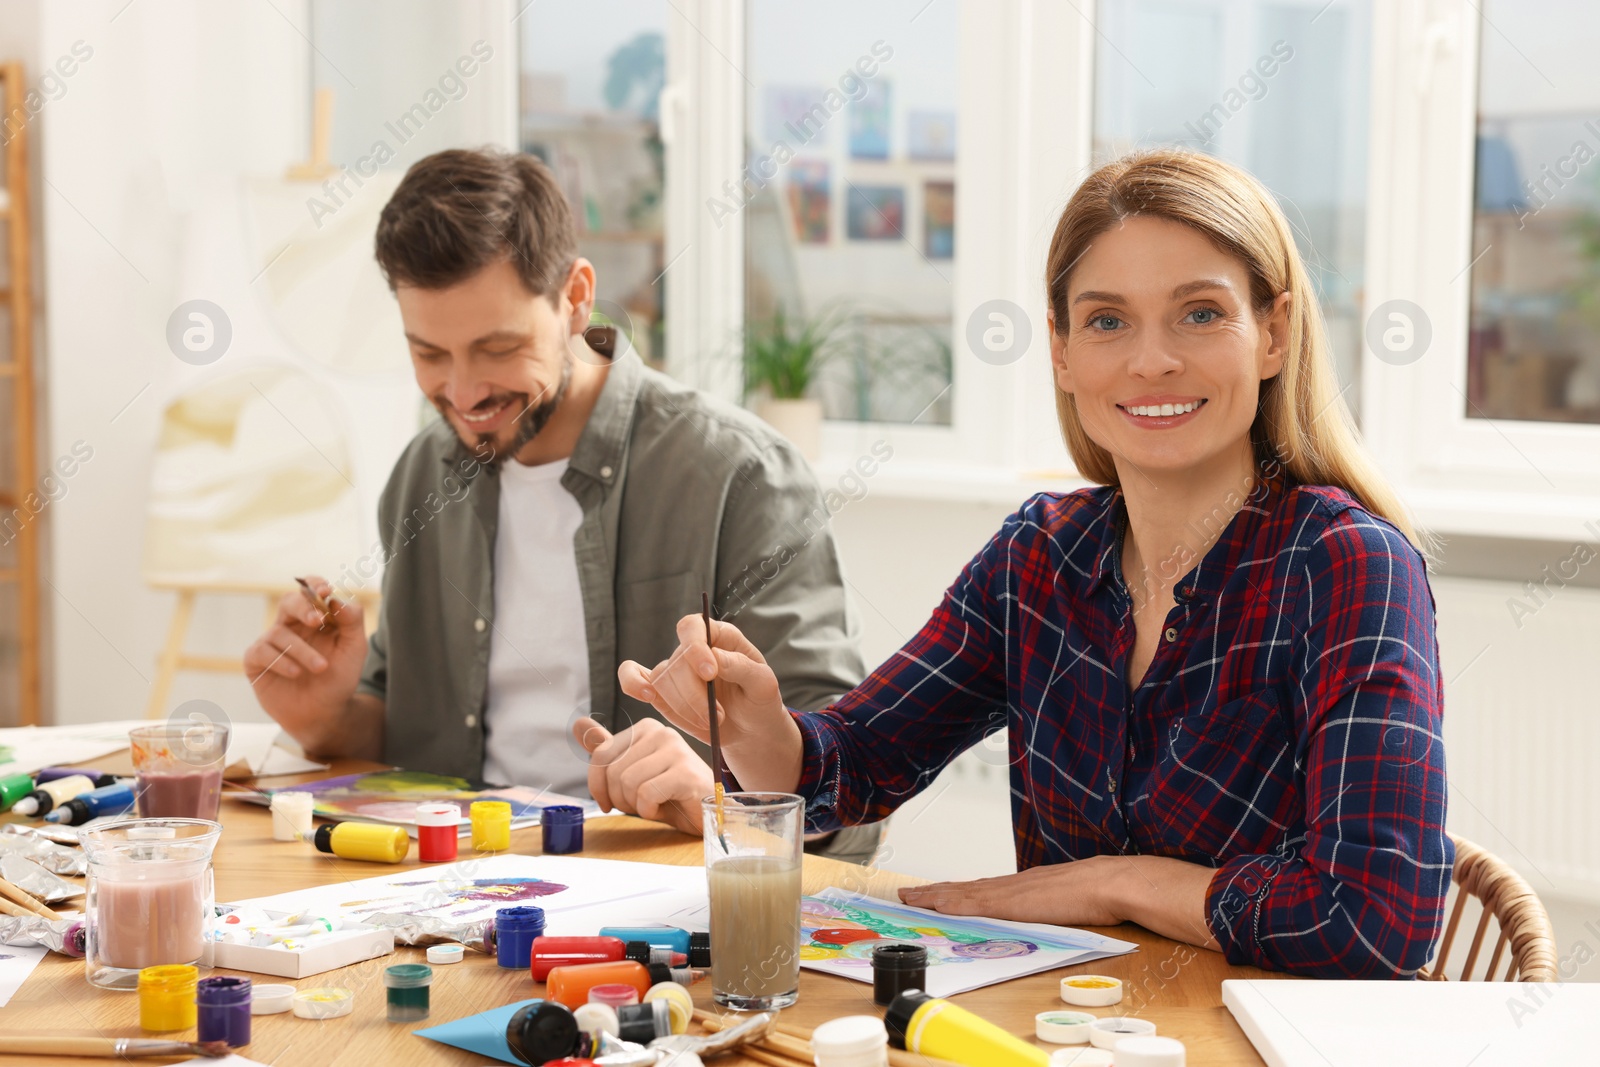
(484, 1033)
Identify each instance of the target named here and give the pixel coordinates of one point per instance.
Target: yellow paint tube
(940, 1029)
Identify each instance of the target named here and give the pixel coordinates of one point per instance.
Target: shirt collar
(1104, 548)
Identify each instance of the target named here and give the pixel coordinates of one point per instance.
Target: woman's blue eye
(1099, 321)
(1213, 312)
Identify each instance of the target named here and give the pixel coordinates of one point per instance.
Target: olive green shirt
(680, 493)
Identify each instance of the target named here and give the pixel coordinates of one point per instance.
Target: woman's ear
(1276, 328)
(1058, 355)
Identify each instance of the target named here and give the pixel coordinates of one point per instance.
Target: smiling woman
(1218, 670)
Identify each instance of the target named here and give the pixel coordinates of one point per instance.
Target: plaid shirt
(1287, 732)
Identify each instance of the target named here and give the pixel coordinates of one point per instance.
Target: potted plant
(781, 359)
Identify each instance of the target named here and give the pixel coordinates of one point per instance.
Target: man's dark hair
(458, 211)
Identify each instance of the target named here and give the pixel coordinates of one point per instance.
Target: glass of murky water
(753, 868)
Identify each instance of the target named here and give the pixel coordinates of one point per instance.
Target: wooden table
(1174, 985)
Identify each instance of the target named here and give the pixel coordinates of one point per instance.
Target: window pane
(1533, 351)
(591, 84)
(849, 210)
(1276, 87)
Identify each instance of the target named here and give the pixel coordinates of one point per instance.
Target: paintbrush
(316, 601)
(120, 1048)
(711, 716)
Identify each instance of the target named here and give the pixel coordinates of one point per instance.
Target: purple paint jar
(224, 1010)
(563, 829)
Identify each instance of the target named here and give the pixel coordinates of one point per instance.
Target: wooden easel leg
(171, 653)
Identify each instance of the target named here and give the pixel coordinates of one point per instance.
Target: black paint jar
(896, 967)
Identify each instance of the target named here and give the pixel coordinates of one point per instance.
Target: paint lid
(595, 1018)
(1091, 990)
(521, 919)
(542, 1031)
(438, 814)
(678, 1000)
(1082, 1056)
(700, 948)
(897, 1018)
(222, 991)
(407, 976)
(446, 953)
(849, 1035)
(323, 1002)
(644, 1022)
(614, 994)
(271, 999)
(1150, 1052)
(1063, 1027)
(1112, 1030)
(493, 810)
(561, 815)
(899, 956)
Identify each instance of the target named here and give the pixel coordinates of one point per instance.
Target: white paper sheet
(16, 963)
(33, 747)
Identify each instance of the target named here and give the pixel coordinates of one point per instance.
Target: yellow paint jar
(363, 841)
(166, 997)
(491, 825)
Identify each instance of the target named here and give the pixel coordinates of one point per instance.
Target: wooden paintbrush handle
(59, 1046)
(21, 896)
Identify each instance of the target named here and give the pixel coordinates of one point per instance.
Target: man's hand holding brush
(760, 742)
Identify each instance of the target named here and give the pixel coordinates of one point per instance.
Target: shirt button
(605, 472)
(1172, 634)
(1113, 781)
(471, 720)
(479, 625)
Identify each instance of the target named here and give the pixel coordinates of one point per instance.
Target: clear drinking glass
(178, 768)
(755, 899)
(150, 895)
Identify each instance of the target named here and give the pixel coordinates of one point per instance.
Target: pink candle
(180, 793)
(149, 922)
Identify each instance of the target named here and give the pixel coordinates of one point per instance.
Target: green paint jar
(408, 984)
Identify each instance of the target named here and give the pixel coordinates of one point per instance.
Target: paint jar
(408, 984)
(614, 995)
(543, 1031)
(491, 825)
(166, 997)
(678, 999)
(851, 1041)
(178, 768)
(149, 897)
(223, 1006)
(438, 832)
(563, 829)
(515, 930)
(896, 967)
(291, 816)
(369, 841)
(644, 1023)
(571, 985)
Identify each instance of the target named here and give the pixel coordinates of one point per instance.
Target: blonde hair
(1301, 420)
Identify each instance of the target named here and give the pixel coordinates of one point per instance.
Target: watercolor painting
(453, 900)
(939, 220)
(875, 213)
(839, 930)
(809, 200)
(869, 122)
(393, 796)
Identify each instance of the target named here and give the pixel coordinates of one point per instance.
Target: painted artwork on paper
(839, 930)
(393, 796)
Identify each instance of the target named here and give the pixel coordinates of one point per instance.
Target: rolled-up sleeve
(1361, 894)
(939, 694)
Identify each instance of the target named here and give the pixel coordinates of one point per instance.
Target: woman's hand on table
(1167, 896)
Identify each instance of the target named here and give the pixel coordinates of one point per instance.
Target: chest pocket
(1235, 763)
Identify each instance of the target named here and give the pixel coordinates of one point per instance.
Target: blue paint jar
(223, 1008)
(514, 931)
(563, 829)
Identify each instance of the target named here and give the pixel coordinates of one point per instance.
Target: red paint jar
(438, 832)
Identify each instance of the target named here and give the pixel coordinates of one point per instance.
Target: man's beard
(533, 419)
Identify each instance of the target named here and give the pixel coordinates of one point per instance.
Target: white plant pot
(798, 420)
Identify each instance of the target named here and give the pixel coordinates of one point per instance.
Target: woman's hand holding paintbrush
(760, 742)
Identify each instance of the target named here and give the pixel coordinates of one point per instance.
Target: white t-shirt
(538, 654)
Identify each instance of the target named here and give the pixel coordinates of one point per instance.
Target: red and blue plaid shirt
(1287, 732)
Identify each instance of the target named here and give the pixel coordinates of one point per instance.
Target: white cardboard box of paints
(351, 943)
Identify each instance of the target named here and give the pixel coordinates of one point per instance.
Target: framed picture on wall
(931, 135)
(795, 115)
(809, 200)
(939, 220)
(875, 213)
(869, 123)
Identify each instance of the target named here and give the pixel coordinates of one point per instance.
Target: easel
(173, 659)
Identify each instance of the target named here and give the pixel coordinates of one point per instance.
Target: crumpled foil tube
(65, 936)
(31, 878)
(429, 930)
(16, 840)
